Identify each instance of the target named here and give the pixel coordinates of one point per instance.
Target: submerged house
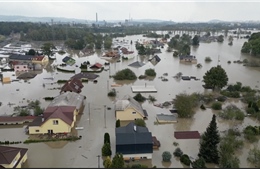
(69, 99)
(96, 66)
(12, 157)
(188, 59)
(29, 58)
(134, 142)
(73, 85)
(128, 109)
(55, 119)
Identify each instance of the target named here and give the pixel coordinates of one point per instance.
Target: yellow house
(12, 157)
(40, 59)
(128, 109)
(55, 119)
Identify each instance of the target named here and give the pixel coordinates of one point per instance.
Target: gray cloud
(175, 11)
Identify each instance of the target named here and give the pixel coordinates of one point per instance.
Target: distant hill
(17, 18)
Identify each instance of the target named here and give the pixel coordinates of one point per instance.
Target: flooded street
(83, 153)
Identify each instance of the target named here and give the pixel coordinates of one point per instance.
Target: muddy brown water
(84, 152)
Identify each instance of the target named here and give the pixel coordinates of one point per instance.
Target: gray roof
(21, 57)
(68, 99)
(136, 64)
(127, 135)
(167, 117)
(129, 102)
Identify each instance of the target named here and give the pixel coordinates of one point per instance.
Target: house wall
(137, 156)
(11, 165)
(44, 60)
(62, 127)
(24, 158)
(20, 68)
(127, 115)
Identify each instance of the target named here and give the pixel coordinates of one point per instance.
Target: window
(134, 112)
(55, 122)
(37, 130)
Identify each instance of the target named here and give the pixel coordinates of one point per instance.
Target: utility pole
(89, 112)
(107, 86)
(98, 161)
(105, 116)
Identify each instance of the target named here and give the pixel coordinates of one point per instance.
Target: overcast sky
(178, 11)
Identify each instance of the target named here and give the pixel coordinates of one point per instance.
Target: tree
(107, 162)
(106, 150)
(117, 123)
(106, 138)
(47, 48)
(150, 72)
(199, 163)
(166, 156)
(209, 143)
(31, 52)
(118, 161)
(178, 152)
(254, 157)
(140, 122)
(125, 74)
(220, 38)
(215, 77)
(185, 103)
(195, 40)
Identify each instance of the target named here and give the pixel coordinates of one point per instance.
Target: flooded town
(150, 99)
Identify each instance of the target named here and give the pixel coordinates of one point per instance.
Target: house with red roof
(73, 85)
(96, 66)
(12, 157)
(55, 119)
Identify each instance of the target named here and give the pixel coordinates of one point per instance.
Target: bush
(232, 112)
(166, 156)
(178, 152)
(208, 59)
(112, 93)
(185, 159)
(203, 107)
(106, 138)
(229, 62)
(48, 98)
(140, 122)
(142, 77)
(150, 72)
(62, 81)
(216, 106)
(106, 150)
(118, 123)
(232, 94)
(199, 163)
(151, 98)
(125, 74)
(138, 97)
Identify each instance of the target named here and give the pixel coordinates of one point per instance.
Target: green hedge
(48, 98)
(10, 142)
(72, 138)
(90, 71)
(63, 70)
(62, 81)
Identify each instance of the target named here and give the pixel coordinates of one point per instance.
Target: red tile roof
(186, 134)
(96, 65)
(38, 58)
(18, 118)
(65, 113)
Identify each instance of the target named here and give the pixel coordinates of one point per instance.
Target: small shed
(136, 64)
(187, 135)
(156, 143)
(6, 80)
(166, 118)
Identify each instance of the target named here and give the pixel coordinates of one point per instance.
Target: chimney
(134, 127)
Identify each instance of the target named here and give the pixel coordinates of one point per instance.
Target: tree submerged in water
(209, 143)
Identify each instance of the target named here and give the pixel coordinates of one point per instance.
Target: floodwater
(97, 120)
